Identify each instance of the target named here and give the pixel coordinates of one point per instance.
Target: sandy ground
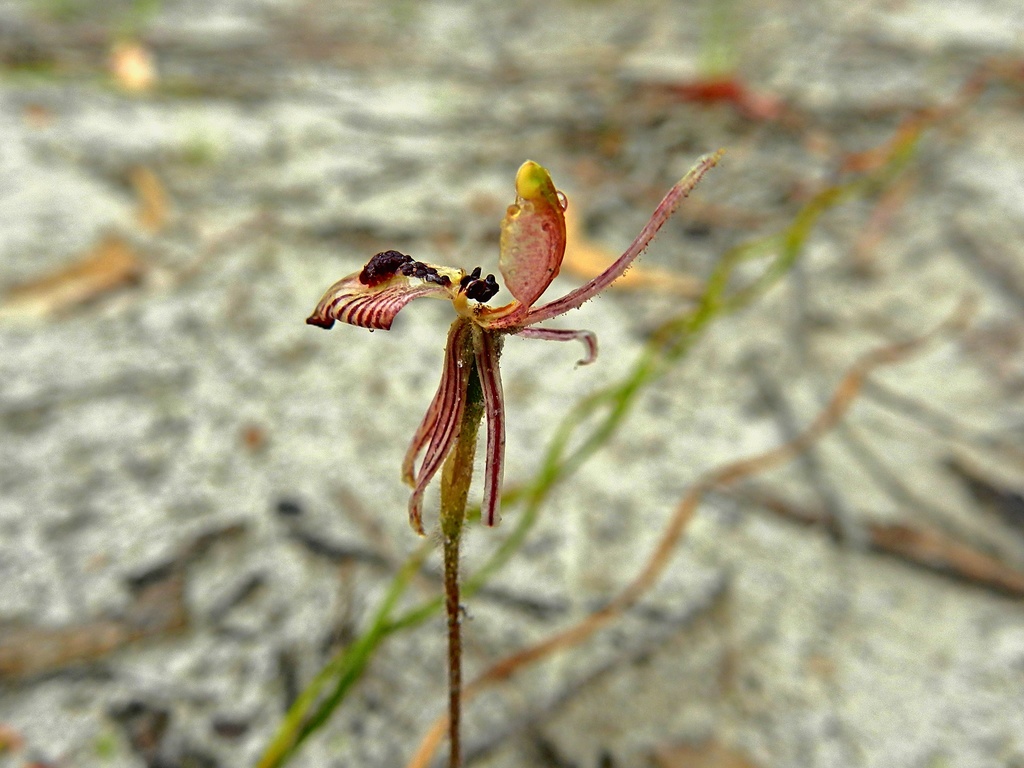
(199, 494)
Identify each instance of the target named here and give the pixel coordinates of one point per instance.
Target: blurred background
(200, 499)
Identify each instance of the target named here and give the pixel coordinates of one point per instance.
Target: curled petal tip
(587, 338)
(320, 321)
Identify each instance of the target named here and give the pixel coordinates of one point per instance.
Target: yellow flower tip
(533, 181)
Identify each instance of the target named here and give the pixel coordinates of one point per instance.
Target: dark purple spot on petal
(383, 266)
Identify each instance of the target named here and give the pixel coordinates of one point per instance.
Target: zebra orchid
(531, 249)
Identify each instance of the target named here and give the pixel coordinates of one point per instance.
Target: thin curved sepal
(441, 429)
(669, 204)
(487, 347)
(532, 235)
(587, 338)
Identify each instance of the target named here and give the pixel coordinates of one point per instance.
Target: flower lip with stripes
(531, 249)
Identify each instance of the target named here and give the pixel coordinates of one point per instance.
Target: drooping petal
(372, 297)
(665, 209)
(588, 338)
(532, 235)
(450, 402)
(487, 346)
(425, 431)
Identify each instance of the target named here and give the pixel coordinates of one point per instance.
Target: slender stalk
(456, 478)
(451, 603)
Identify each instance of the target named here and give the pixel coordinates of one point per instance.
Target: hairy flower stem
(455, 481)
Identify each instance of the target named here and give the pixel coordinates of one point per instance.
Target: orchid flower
(531, 251)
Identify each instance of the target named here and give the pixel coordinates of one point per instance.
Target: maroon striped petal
(588, 338)
(425, 431)
(665, 209)
(440, 427)
(372, 299)
(487, 347)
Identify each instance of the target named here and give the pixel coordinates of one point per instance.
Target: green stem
(456, 478)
